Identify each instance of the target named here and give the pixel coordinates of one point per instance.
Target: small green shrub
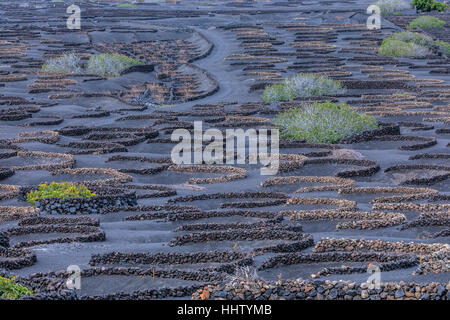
(59, 190)
(429, 5)
(9, 289)
(406, 44)
(323, 123)
(302, 85)
(109, 65)
(426, 22)
(388, 7)
(396, 48)
(68, 63)
(411, 44)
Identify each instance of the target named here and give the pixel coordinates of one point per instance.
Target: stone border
(67, 161)
(429, 156)
(424, 181)
(137, 271)
(91, 205)
(342, 204)
(91, 147)
(231, 195)
(194, 213)
(159, 191)
(8, 191)
(166, 258)
(88, 221)
(45, 136)
(409, 194)
(4, 240)
(369, 167)
(419, 207)
(15, 258)
(326, 245)
(122, 138)
(386, 130)
(233, 173)
(8, 213)
(236, 235)
(6, 172)
(300, 289)
(117, 177)
(332, 183)
(365, 220)
(386, 261)
(433, 257)
(55, 120)
(89, 233)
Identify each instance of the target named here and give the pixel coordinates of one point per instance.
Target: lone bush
(396, 48)
(109, 65)
(9, 289)
(406, 44)
(426, 22)
(411, 44)
(59, 190)
(302, 85)
(323, 122)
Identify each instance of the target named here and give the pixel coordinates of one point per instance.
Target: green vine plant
(11, 290)
(59, 190)
(429, 5)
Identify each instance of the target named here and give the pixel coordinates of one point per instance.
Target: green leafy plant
(426, 22)
(59, 190)
(109, 65)
(440, 6)
(388, 7)
(302, 85)
(429, 5)
(323, 122)
(9, 289)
